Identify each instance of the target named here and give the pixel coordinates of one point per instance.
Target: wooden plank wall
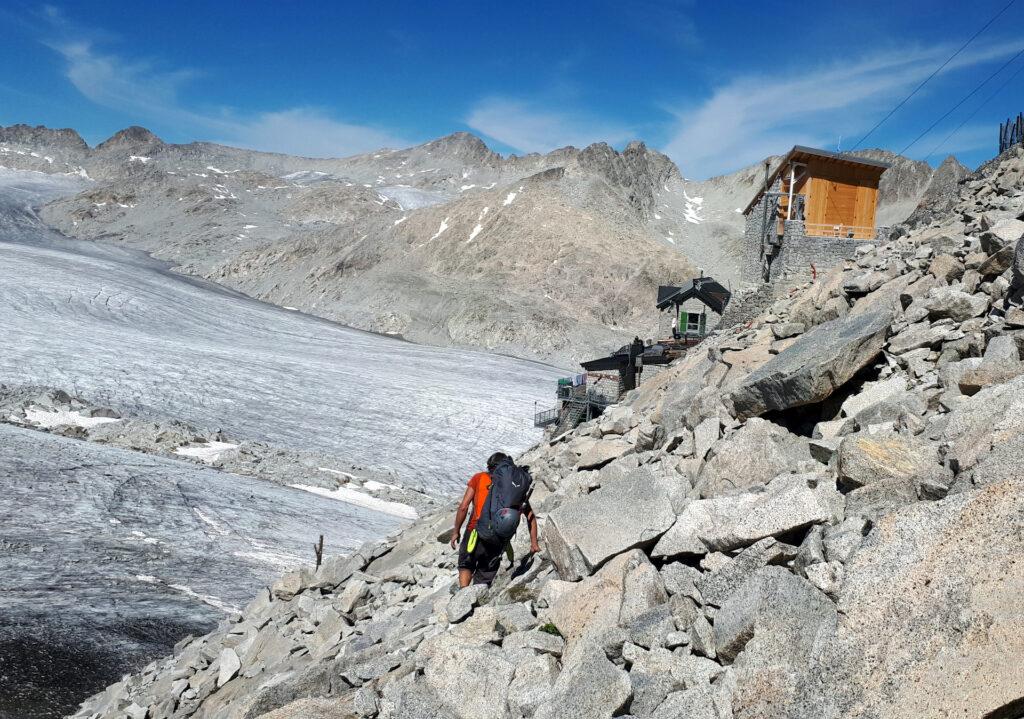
(841, 195)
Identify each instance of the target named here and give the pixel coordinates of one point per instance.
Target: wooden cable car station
(810, 213)
(585, 396)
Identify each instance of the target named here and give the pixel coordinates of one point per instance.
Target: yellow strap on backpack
(471, 544)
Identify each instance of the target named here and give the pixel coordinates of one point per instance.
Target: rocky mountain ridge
(815, 513)
(554, 257)
(446, 243)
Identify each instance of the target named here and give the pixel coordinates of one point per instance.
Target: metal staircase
(572, 413)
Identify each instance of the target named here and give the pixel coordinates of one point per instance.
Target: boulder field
(818, 513)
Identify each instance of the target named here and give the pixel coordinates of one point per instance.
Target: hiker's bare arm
(460, 515)
(531, 520)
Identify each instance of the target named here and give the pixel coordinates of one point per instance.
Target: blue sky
(714, 85)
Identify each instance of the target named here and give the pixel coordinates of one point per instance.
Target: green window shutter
(683, 318)
(703, 326)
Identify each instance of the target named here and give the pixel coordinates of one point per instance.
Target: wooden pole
(318, 549)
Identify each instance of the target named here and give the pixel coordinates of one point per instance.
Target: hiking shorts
(483, 562)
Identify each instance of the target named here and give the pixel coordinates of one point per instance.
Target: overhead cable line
(936, 72)
(976, 111)
(965, 99)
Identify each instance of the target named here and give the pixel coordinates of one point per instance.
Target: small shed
(834, 195)
(692, 322)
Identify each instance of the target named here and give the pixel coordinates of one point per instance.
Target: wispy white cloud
(309, 132)
(528, 127)
(142, 89)
(752, 116)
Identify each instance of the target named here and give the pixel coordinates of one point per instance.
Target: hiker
(481, 547)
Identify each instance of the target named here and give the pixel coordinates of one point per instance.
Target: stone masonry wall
(792, 264)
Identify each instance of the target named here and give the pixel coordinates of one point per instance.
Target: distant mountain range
(554, 257)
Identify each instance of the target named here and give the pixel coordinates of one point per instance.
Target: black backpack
(510, 488)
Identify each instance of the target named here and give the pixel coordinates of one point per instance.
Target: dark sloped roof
(706, 289)
(802, 152)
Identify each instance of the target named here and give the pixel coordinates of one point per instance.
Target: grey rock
(287, 586)
(826, 576)
(414, 700)
(681, 442)
(365, 702)
(618, 419)
(584, 533)
(824, 449)
(775, 616)
(676, 639)
(886, 495)
(536, 640)
(650, 629)
(782, 330)
(1000, 364)
(622, 590)
(951, 303)
(1014, 318)
(918, 335)
(789, 502)
(588, 686)
(865, 283)
(648, 436)
(685, 611)
(462, 603)
(719, 585)
(229, 666)
(843, 539)
(997, 263)
(652, 679)
(453, 674)
(1002, 463)
(602, 452)
(866, 458)
(693, 704)
(946, 564)
(1005, 232)
(354, 592)
(756, 453)
(702, 638)
(532, 684)
(811, 550)
(946, 268)
(681, 579)
(513, 618)
(814, 366)
(705, 435)
(1016, 289)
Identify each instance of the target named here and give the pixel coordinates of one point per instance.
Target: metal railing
(849, 232)
(596, 395)
(545, 418)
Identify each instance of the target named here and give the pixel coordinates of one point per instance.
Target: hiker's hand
(455, 539)
(534, 548)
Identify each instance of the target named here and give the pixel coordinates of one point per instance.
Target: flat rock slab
(619, 593)
(953, 569)
(628, 512)
(811, 369)
(602, 452)
(866, 458)
(725, 523)
(757, 453)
